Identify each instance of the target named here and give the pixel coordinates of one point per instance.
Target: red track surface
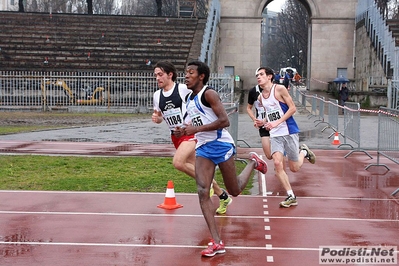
(340, 204)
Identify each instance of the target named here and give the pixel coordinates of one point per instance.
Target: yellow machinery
(89, 98)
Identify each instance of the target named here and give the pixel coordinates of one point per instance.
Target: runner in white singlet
(284, 138)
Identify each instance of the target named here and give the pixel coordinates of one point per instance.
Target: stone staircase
(96, 43)
(393, 25)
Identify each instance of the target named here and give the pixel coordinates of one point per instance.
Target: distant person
(284, 138)
(277, 78)
(286, 81)
(291, 75)
(169, 105)
(343, 94)
(215, 146)
(297, 78)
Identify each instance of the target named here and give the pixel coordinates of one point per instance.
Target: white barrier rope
(349, 109)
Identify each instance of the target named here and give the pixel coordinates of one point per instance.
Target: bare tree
(388, 8)
(289, 48)
(393, 9)
(159, 7)
(105, 7)
(383, 7)
(21, 6)
(116, 7)
(90, 7)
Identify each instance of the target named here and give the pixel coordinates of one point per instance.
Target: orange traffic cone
(336, 139)
(170, 199)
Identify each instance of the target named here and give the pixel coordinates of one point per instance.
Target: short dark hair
(202, 68)
(167, 67)
(267, 70)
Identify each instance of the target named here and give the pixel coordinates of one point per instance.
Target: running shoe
(211, 191)
(223, 205)
(213, 249)
(289, 201)
(261, 165)
(311, 157)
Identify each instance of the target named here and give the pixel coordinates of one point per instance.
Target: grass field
(38, 172)
(65, 173)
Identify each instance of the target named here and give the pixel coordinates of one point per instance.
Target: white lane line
(337, 198)
(120, 245)
(334, 219)
(263, 180)
(124, 214)
(90, 192)
(296, 249)
(190, 194)
(195, 215)
(267, 228)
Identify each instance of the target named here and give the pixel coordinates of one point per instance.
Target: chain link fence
(91, 92)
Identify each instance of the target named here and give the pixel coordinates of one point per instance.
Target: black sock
(223, 196)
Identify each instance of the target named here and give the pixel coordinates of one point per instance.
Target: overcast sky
(276, 5)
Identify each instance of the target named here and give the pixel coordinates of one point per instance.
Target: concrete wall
(240, 29)
(5, 5)
(367, 63)
(332, 39)
(240, 47)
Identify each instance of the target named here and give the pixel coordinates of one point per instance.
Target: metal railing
(393, 94)
(210, 33)
(380, 35)
(352, 127)
(388, 125)
(232, 113)
(388, 137)
(232, 110)
(91, 92)
(332, 116)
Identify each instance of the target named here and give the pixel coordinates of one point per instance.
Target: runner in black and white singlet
(260, 114)
(284, 138)
(215, 146)
(169, 106)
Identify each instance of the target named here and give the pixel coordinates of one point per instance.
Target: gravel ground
(66, 119)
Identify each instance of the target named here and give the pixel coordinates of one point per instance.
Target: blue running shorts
(216, 151)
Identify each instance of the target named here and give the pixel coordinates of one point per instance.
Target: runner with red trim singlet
(169, 106)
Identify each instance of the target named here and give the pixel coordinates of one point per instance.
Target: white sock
(290, 193)
(305, 152)
(256, 162)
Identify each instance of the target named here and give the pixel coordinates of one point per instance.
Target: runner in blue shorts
(215, 146)
(169, 106)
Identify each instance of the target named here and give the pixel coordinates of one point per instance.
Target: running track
(340, 204)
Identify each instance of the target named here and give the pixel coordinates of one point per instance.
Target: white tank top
(274, 111)
(203, 115)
